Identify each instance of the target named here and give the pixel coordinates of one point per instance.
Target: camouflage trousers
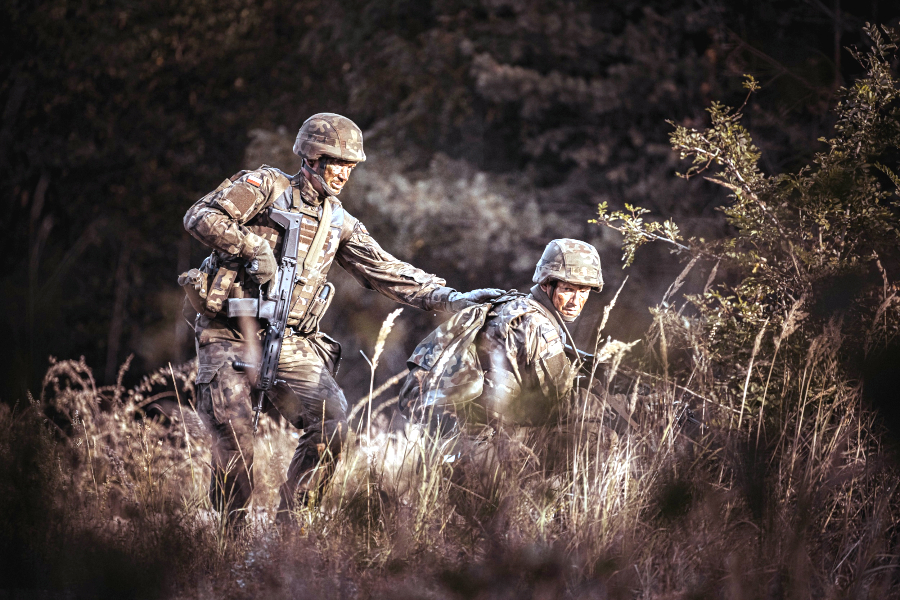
(309, 399)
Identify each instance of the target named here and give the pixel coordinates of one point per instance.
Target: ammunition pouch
(207, 294)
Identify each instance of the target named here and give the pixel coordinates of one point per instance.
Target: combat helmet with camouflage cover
(572, 261)
(330, 134)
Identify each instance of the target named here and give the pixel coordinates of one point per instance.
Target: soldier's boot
(307, 480)
(230, 496)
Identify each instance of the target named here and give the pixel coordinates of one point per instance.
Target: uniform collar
(307, 192)
(541, 297)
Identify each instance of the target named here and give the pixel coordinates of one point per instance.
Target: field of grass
(794, 499)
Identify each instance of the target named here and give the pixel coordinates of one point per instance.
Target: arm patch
(551, 344)
(238, 200)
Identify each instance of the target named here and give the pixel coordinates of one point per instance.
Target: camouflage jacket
(222, 221)
(522, 338)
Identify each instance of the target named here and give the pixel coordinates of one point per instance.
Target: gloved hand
(261, 263)
(449, 300)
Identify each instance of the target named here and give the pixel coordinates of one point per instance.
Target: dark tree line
(117, 115)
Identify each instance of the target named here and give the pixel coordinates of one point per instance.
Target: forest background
(491, 127)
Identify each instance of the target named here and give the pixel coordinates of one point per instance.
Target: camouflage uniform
(309, 398)
(526, 371)
(504, 361)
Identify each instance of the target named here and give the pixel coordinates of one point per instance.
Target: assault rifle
(274, 308)
(586, 361)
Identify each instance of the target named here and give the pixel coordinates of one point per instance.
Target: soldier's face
(336, 173)
(569, 298)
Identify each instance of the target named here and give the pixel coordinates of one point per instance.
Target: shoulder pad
(278, 179)
(511, 313)
(273, 171)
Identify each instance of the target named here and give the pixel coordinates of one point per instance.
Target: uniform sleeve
(547, 358)
(361, 256)
(525, 369)
(217, 220)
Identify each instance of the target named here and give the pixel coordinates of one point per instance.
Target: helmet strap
(317, 174)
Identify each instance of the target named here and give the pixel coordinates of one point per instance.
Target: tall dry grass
(785, 491)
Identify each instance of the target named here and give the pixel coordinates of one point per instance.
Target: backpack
(444, 368)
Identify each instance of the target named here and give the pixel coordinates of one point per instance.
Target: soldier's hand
(458, 301)
(261, 263)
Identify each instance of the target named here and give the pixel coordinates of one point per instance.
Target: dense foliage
(812, 249)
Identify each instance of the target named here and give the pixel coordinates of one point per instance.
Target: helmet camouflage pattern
(329, 134)
(572, 261)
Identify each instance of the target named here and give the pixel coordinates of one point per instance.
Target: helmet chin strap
(323, 162)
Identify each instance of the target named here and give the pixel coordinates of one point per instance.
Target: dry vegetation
(103, 501)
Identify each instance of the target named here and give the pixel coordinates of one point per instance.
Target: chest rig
(317, 243)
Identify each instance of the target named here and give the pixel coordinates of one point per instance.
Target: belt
(249, 307)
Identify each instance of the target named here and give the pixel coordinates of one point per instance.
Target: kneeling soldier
(505, 361)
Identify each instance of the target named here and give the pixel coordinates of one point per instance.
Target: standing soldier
(234, 221)
(505, 362)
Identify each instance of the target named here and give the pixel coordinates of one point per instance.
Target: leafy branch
(803, 237)
(636, 231)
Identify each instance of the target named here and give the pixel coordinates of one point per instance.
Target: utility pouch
(195, 284)
(317, 308)
(220, 287)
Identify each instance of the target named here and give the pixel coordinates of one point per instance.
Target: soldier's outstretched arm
(374, 268)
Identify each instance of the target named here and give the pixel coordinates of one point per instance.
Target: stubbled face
(336, 173)
(568, 298)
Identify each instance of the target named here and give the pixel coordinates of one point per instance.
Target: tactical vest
(223, 288)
